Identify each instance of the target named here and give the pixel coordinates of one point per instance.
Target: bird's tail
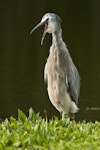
(73, 108)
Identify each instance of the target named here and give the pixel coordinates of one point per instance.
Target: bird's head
(51, 22)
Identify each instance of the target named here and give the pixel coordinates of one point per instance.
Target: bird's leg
(72, 116)
(62, 114)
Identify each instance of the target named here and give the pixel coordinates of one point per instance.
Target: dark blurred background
(22, 58)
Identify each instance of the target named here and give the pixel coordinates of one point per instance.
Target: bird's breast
(57, 64)
(55, 71)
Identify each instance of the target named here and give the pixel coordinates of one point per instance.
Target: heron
(60, 73)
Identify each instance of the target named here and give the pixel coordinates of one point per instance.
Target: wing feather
(73, 81)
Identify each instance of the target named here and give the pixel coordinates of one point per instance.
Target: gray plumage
(60, 73)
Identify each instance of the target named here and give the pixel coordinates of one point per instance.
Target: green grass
(35, 133)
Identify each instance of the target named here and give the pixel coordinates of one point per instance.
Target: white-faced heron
(60, 74)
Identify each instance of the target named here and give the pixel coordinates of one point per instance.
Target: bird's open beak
(37, 26)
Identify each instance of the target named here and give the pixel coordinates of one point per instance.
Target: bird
(60, 73)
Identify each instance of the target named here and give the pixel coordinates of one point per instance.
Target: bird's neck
(56, 37)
